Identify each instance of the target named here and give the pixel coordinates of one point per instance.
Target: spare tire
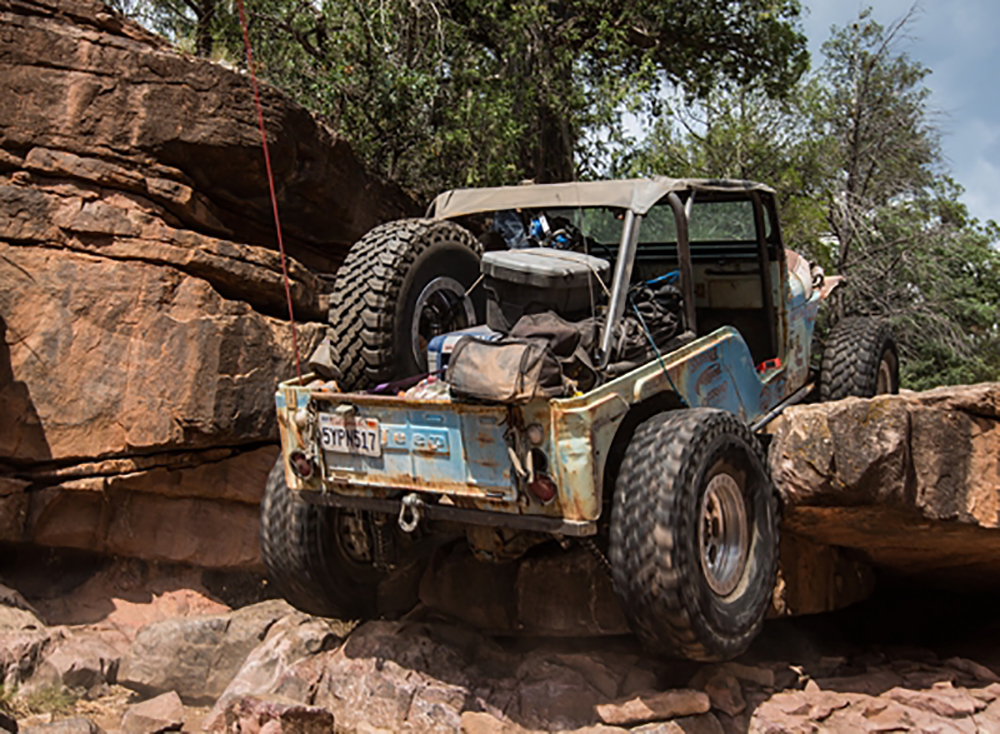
(860, 360)
(402, 284)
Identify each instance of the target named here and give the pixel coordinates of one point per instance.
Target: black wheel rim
(354, 539)
(885, 381)
(441, 308)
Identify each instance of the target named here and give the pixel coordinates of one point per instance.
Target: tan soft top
(637, 194)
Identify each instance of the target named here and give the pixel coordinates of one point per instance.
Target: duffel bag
(508, 371)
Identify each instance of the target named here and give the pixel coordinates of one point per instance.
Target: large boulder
(114, 106)
(124, 356)
(197, 657)
(271, 669)
(24, 642)
(910, 481)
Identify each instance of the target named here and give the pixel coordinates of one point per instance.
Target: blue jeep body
(751, 306)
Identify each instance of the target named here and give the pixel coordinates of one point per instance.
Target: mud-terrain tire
(379, 287)
(691, 585)
(859, 360)
(304, 557)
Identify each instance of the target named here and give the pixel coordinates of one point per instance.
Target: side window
(722, 221)
(658, 225)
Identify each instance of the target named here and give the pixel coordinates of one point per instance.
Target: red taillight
(302, 465)
(543, 488)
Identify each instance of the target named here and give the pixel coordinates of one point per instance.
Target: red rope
(270, 183)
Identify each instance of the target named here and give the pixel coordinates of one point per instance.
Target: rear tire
(402, 284)
(694, 534)
(859, 360)
(305, 553)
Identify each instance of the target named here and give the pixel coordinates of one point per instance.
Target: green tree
(437, 93)
(854, 154)
(922, 262)
(907, 245)
(874, 111)
(741, 132)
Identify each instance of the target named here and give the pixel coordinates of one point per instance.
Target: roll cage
(637, 198)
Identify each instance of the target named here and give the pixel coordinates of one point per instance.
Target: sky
(958, 41)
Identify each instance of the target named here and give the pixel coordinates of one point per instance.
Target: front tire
(860, 360)
(694, 534)
(315, 556)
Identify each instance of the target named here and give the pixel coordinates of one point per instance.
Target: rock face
(143, 323)
(559, 594)
(284, 671)
(106, 104)
(197, 657)
(911, 481)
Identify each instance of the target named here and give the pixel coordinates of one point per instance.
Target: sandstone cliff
(142, 316)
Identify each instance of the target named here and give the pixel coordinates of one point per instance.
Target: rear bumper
(450, 513)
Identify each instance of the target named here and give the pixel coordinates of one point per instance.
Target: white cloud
(956, 40)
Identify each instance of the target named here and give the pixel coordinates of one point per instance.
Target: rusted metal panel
(452, 448)
(801, 321)
(713, 371)
(459, 450)
(463, 451)
(584, 432)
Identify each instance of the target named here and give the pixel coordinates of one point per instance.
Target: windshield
(710, 221)
(720, 226)
(576, 228)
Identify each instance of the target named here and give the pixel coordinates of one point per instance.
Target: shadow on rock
(22, 436)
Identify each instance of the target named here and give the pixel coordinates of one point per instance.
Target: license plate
(355, 435)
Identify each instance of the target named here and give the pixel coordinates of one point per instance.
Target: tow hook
(411, 506)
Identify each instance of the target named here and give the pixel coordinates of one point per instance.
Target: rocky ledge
(186, 662)
(910, 482)
(143, 324)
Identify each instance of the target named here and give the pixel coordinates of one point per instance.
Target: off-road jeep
(597, 377)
